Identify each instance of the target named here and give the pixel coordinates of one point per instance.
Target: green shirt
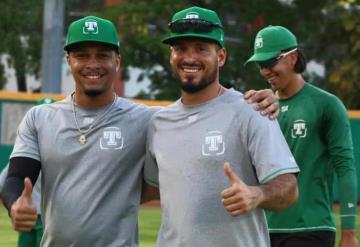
(317, 129)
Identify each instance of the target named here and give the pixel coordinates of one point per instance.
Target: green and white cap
(196, 13)
(92, 28)
(271, 41)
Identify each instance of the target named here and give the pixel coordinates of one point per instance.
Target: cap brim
(262, 57)
(174, 37)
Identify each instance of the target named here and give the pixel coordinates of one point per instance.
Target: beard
(189, 86)
(93, 93)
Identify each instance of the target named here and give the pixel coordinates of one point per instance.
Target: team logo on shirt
(299, 129)
(214, 144)
(112, 138)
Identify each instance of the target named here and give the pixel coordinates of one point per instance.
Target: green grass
(8, 237)
(149, 222)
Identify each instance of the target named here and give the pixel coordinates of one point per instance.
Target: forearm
(348, 202)
(279, 193)
(19, 168)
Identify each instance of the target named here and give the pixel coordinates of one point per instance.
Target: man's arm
(340, 148)
(266, 102)
(3, 176)
(278, 193)
(17, 191)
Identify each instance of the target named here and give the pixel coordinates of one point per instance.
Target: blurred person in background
(317, 129)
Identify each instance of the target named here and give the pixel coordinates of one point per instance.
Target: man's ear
(294, 57)
(67, 57)
(118, 62)
(222, 54)
(68, 60)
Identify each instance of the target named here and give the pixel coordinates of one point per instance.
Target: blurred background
(33, 32)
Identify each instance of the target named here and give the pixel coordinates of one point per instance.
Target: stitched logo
(192, 15)
(214, 144)
(90, 26)
(259, 41)
(112, 139)
(299, 129)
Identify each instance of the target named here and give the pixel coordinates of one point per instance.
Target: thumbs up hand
(23, 213)
(239, 198)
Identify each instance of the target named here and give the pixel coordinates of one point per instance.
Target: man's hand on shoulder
(266, 102)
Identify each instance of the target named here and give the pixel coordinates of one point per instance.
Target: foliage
(327, 30)
(344, 75)
(20, 32)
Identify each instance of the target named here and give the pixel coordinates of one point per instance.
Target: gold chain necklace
(83, 133)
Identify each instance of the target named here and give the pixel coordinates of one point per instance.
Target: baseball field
(149, 224)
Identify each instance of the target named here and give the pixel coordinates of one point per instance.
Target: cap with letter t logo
(92, 28)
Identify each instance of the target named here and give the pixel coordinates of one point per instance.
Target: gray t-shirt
(90, 192)
(35, 192)
(187, 148)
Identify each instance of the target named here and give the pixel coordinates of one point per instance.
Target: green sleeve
(340, 148)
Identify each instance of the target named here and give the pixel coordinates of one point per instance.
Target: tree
(344, 72)
(327, 30)
(20, 32)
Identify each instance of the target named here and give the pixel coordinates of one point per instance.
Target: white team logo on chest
(112, 138)
(214, 144)
(299, 129)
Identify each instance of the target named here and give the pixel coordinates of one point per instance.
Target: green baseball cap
(92, 28)
(45, 101)
(271, 41)
(196, 22)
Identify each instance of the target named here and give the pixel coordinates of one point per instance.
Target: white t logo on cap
(192, 15)
(90, 27)
(259, 42)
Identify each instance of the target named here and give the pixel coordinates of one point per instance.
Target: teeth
(93, 76)
(190, 70)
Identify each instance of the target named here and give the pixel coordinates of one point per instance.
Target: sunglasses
(270, 63)
(195, 25)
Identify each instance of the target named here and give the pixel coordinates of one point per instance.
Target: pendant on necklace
(82, 139)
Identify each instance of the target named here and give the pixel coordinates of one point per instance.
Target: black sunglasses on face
(270, 63)
(195, 25)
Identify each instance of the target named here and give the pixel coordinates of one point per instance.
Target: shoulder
(41, 111)
(326, 100)
(320, 94)
(243, 110)
(127, 106)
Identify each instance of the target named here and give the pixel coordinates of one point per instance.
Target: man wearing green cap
(316, 126)
(90, 148)
(217, 161)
